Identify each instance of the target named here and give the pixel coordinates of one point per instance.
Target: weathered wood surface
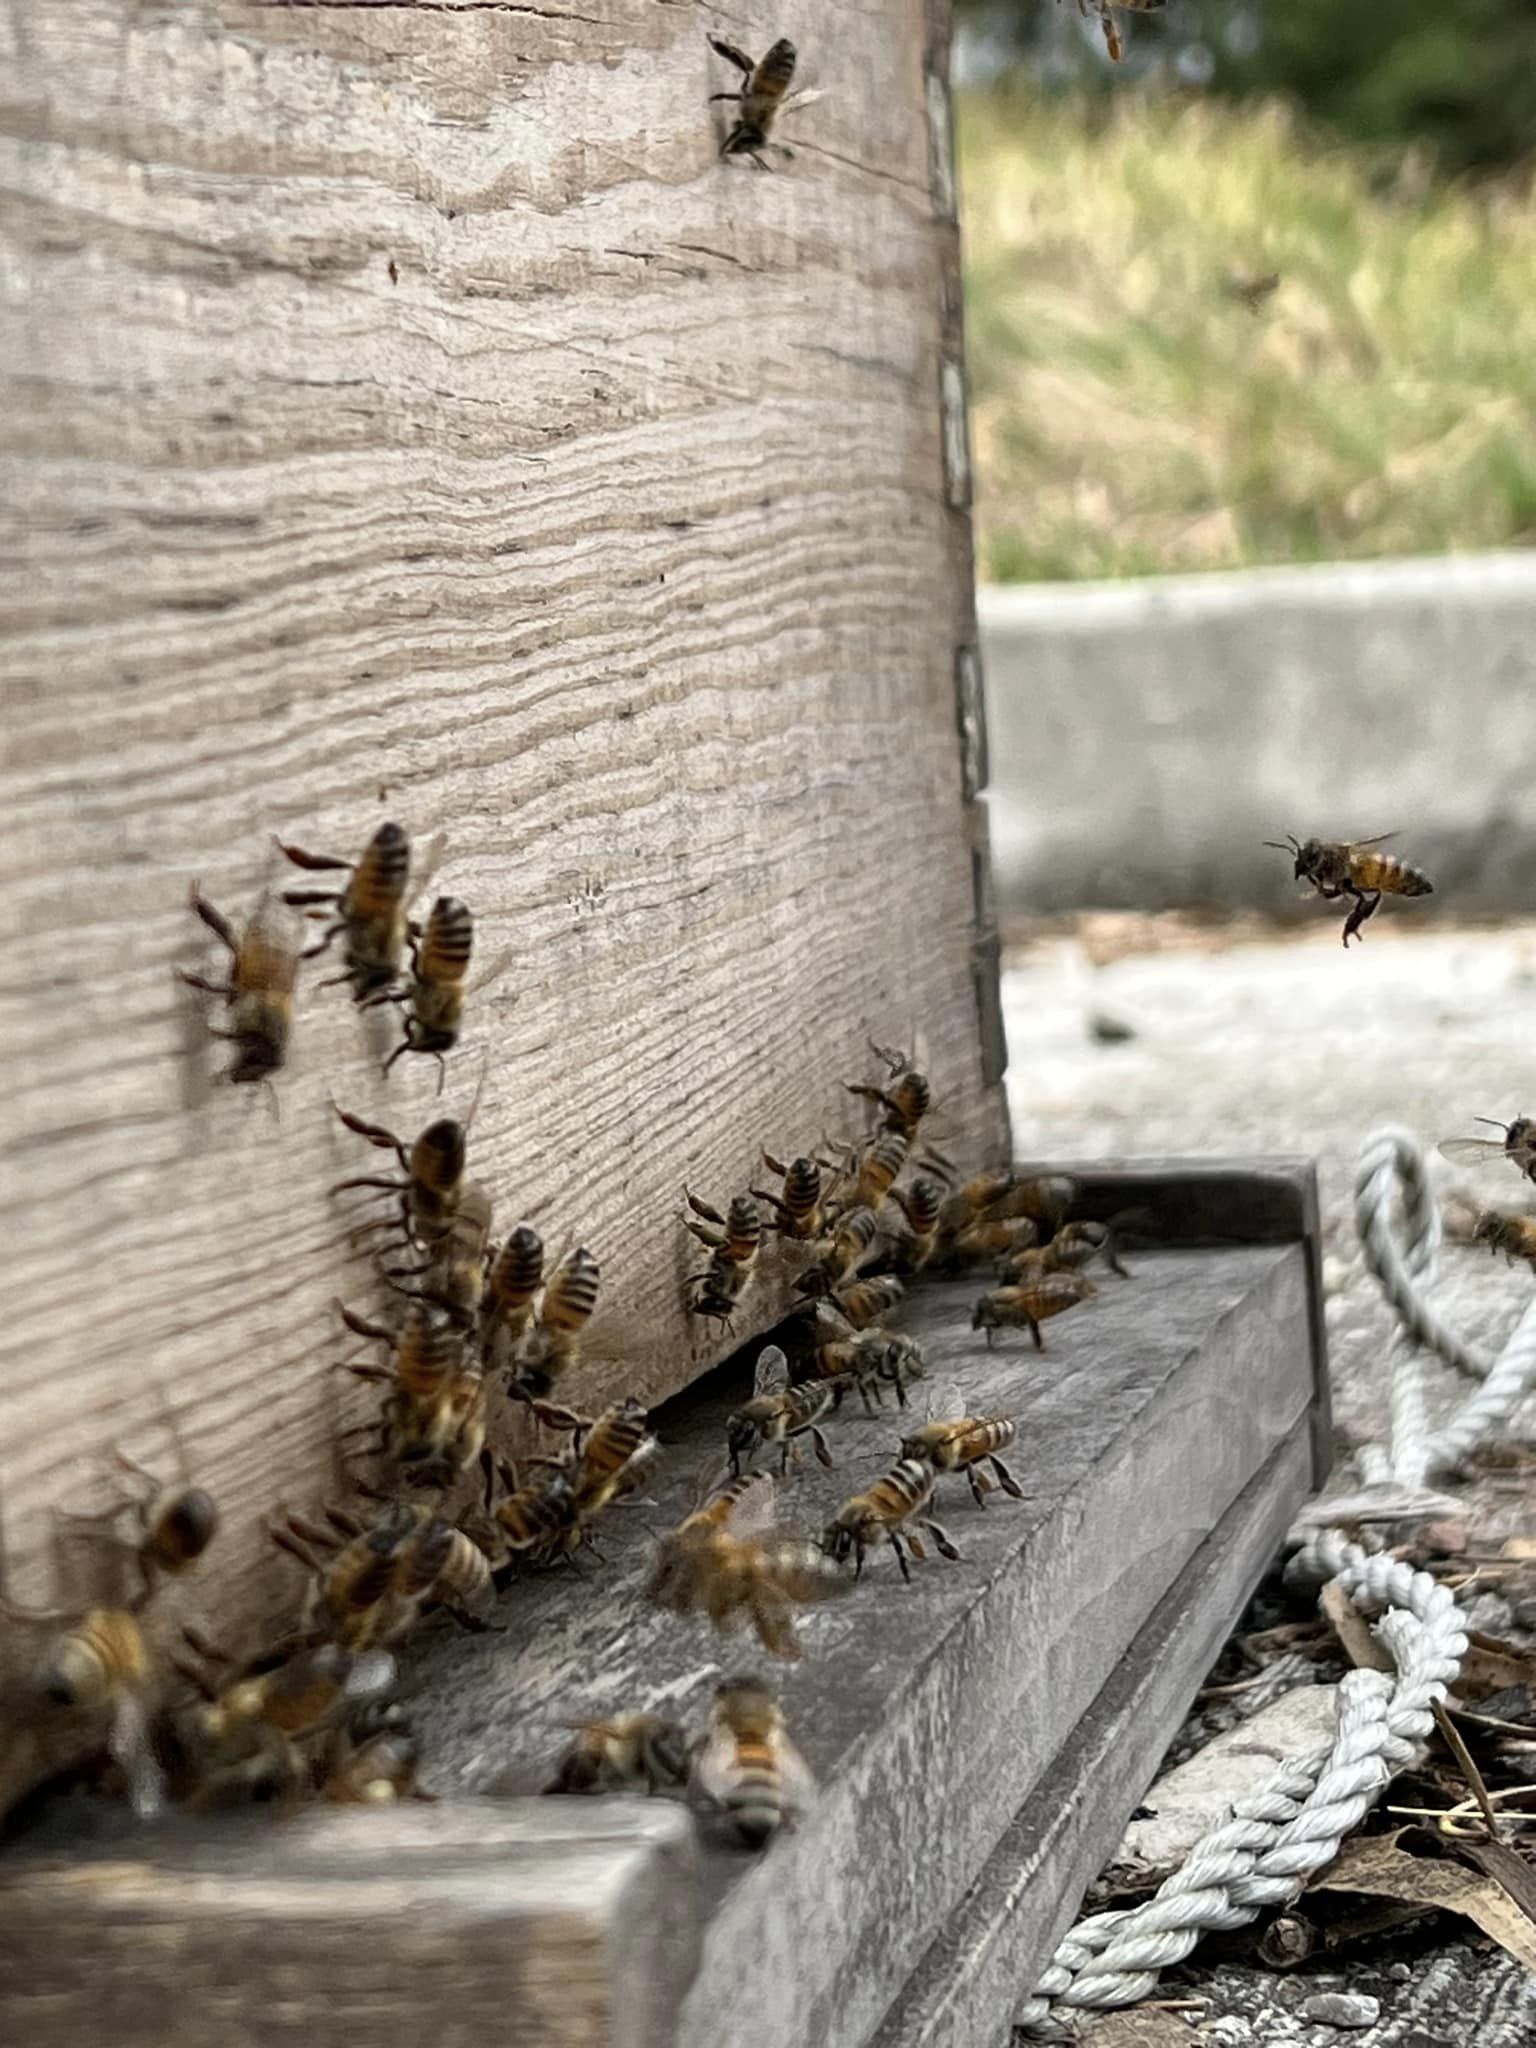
(455, 1925)
(407, 415)
(1163, 1445)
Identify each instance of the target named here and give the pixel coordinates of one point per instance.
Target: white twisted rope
(1280, 1837)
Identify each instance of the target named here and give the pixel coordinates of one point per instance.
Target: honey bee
(778, 1412)
(1106, 10)
(552, 1346)
(1028, 1306)
(733, 1240)
(375, 1771)
(377, 1581)
(873, 1360)
(837, 1256)
(1350, 868)
(433, 1424)
(1518, 1146)
(175, 1526)
(748, 1765)
(264, 967)
(369, 909)
(613, 1455)
(871, 1172)
(627, 1753)
(1502, 1231)
(431, 1179)
(763, 97)
(723, 1561)
(512, 1282)
(862, 1302)
(101, 1666)
(434, 999)
(250, 1730)
(987, 1217)
(920, 1204)
(887, 1509)
(798, 1208)
(904, 1100)
(952, 1441)
(1074, 1246)
(453, 1278)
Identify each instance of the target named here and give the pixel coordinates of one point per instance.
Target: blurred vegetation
(1455, 76)
(1132, 413)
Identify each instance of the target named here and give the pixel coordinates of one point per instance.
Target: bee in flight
(764, 96)
(627, 1753)
(749, 1767)
(724, 1561)
(263, 969)
(1106, 9)
(175, 1525)
(102, 1666)
(1514, 1236)
(1351, 868)
(1518, 1146)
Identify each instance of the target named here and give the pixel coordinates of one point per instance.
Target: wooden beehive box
(409, 416)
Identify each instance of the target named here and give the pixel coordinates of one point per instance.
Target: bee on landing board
(263, 971)
(953, 1441)
(433, 1418)
(748, 1766)
(1502, 1231)
(1518, 1146)
(1074, 1247)
(889, 1509)
(512, 1283)
(763, 97)
(778, 1413)
(626, 1753)
(368, 911)
(1027, 1306)
(1352, 868)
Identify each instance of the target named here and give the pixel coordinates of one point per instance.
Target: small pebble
(1231, 2032)
(1490, 1612)
(1342, 2009)
(1400, 1973)
(1106, 1030)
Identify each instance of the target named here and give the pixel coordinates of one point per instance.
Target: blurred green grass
(1132, 416)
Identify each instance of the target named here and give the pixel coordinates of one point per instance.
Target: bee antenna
(1286, 845)
(1505, 1128)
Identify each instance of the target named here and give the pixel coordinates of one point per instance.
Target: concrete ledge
(1144, 736)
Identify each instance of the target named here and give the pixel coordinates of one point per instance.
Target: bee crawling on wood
(1074, 1247)
(263, 971)
(1027, 1306)
(1502, 1231)
(547, 1350)
(175, 1526)
(626, 1753)
(889, 1508)
(797, 1207)
(779, 1412)
(433, 1422)
(904, 1100)
(763, 97)
(748, 1767)
(1518, 1146)
(1350, 868)
(373, 1758)
(733, 1241)
(368, 911)
(953, 1441)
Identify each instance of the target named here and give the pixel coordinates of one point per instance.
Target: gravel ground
(1243, 1040)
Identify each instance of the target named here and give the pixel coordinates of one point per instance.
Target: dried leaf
(1519, 1546)
(1353, 1630)
(1490, 1666)
(1498, 1861)
(1378, 1867)
(1138, 2030)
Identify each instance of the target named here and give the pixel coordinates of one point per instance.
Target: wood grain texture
(407, 415)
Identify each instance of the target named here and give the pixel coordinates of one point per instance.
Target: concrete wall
(1145, 737)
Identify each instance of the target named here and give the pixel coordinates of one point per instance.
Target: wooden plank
(1162, 1446)
(407, 415)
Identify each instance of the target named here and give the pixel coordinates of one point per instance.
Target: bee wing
(487, 975)
(423, 869)
(796, 1776)
(1472, 1151)
(946, 1403)
(130, 1748)
(715, 1765)
(1380, 840)
(807, 98)
(756, 1509)
(772, 1375)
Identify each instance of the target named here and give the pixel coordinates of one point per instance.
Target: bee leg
(209, 988)
(1005, 1479)
(979, 1488)
(1365, 905)
(722, 96)
(819, 1444)
(901, 1549)
(442, 1071)
(711, 1238)
(220, 926)
(361, 1325)
(1036, 1333)
(942, 1544)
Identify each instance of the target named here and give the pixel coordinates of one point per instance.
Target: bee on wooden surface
(764, 96)
(431, 1179)
(1505, 1232)
(904, 1100)
(249, 1732)
(797, 1207)
(889, 1509)
(369, 1585)
(377, 1771)
(613, 1454)
(778, 1412)
(733, 1240)
(263, 970)
(987, 1217)
(1518, 1146)
(512, 1283)
(101, 1666)
(920, 1204)
(438, 1565)
(453, 1277)
(870, 1172)
(434, 998)
(953, 1441)
(1351, 868)
(553, 1345)
(369, 910)
(538, 1519)
(865, 1301)
(748, 1766)
(433, 1425)
(723, 1561)
(627, 1753)
(1075, 1246)
(1026, 1307)
(873, 1360)
(1001, 1240)
(175, 1526)
(839, 1254)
